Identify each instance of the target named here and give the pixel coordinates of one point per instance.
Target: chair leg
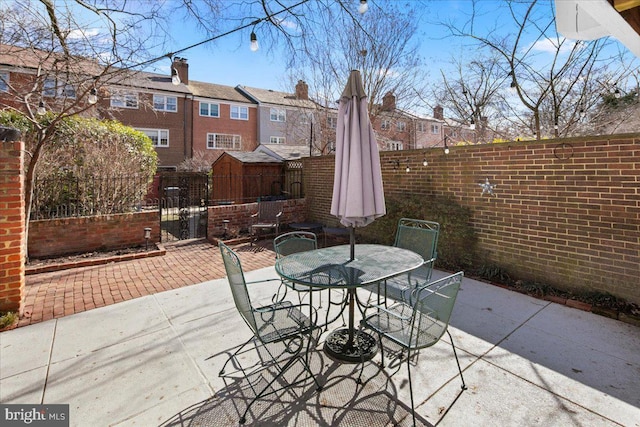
(413, 410)
(464, 386)
(235, 353)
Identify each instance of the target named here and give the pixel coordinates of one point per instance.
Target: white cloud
(81, 34)
(551, 46)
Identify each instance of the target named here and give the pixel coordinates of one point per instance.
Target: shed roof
(284, 152)
(251, 157)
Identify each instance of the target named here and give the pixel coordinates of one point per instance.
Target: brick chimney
(302, 90)
(438, 112)
(388, 102)
(181, 65)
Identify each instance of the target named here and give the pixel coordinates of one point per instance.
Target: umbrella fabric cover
(358, 196)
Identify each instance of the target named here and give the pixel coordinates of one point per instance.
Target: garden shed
(244, 177)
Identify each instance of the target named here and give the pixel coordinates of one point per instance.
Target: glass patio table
(332, 268)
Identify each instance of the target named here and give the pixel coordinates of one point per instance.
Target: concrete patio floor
(154, 360)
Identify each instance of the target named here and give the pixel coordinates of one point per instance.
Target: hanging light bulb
(408, 168)
(617, 93)
(175, 77)
(446, 147)
(93, 96)
(472, 125)
(41, 109)
(254, 42)
(363, 6)
(555, 125)
(424, 161)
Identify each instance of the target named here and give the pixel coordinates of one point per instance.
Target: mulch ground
(61, 293)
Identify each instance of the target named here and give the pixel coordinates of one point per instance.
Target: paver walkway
(187, 262)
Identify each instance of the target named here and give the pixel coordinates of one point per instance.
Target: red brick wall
(247, 129)
(11, 226)
(565, 215)
(56, 237)
(239, 215)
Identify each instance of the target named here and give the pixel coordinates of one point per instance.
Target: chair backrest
(235, 275)
(269, 211)
(418, 236)
(293, 242)
(432, 310)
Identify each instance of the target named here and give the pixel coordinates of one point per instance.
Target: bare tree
(549, 97)
(382, 44)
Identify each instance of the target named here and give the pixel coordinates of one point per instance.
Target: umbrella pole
(352, 242)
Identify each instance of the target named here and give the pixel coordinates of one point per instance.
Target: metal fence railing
(68, 195)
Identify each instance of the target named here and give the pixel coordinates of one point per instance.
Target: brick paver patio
(65, 292)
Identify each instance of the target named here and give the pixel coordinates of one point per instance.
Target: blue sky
(229, 61)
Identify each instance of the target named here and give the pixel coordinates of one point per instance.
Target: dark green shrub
(457, 239)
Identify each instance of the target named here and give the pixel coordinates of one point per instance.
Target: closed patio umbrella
(358, 196)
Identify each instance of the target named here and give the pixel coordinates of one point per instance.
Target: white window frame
(394, 145)
(421, 127)
(401, 126)
(223, 141)
(209, 105)
(277, 140)
(332, 122)
(4, 81)
(124, 99)
(435, 129)
(52, 88)
(158, 136)
(385, 125)
(278, 115)
(161, 103)
(239, 112)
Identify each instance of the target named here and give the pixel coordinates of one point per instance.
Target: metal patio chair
(281, 322)
(266, 218)
(418, 325)
(301, 241)
(421, 237)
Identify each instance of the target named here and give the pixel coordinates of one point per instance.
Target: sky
(229, 61)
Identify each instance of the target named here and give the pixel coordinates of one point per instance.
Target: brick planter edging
(160, 251)
(572, 303)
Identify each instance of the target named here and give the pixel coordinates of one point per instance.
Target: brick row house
(194, 118)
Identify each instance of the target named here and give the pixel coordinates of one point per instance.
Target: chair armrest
(389, 310)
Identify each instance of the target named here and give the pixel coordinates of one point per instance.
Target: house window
(421, 127)
(239, 113)
(305, 118)
(435, 129)
(332, 122)
(159, 137)
(278, 115)
(386, 124)
(165, 103)
(52, 89)
(276, 140)
(401, 126)
(209, 110)
(4, 81)
(454, 134)
(124, 100)
(49, 87)
(394, 145)
(221, 141)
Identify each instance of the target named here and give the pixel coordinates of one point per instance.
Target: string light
(472, 125)
(424, 161)
(41, 108)
(364, 6)
(93, 96)
(254, 42)
(446, 147)
(175, 77)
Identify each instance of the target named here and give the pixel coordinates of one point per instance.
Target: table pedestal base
(337, 345)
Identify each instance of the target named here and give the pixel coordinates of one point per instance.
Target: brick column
(12, 226)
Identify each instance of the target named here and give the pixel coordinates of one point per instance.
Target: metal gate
(184, 198)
